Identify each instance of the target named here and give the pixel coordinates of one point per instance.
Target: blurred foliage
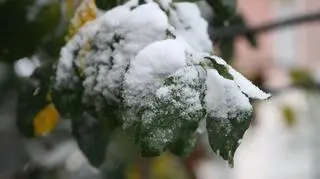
(165, 166)
(226, 15)
(107, 4)
(289, 116)
(303, 78)
(34, 104)
(85, 13)
(27, 26)
(92, 136)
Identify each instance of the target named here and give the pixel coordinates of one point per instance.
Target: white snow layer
(244, 84)
(117, 37)
(187, 20)
(118, 40)
(223, 98)
(152, 65)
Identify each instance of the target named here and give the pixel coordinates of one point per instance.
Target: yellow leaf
(165, 166)
(289, 116)
(46, 120)
(86, 12)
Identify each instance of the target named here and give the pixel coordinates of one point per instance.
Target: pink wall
(305, 45)
(248, 60)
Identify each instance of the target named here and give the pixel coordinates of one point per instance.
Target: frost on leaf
(114, 39)
(172, 116)
(164, 95)
(122, 34)
(228, 108)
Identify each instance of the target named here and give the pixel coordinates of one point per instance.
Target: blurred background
(274, 43)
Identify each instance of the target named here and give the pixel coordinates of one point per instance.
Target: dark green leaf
(41, 30)
(106, 4)
(185, 140)
(223, 10)
(227, 49)
(92, 136)
(225, 133)
(222, 69)
(68, 101)
(170, 122)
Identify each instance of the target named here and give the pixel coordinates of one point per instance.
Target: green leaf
(225, 133)
(185, 140)
(41, 30)
(68, 101)
(92, 136)
(222, 69)
(223, 9)
(171, 120)
(106, 4)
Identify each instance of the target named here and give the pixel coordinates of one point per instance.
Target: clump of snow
(65, 73)
(24, 67)
(121, 36)
(187, 20)
(151, 65)
(223, 97)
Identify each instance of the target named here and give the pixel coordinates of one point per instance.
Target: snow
(113, 39)
(155, 62)
(65, 75)
(187, 89)
(147, 71)
(165, 4)
(187, 20)
(247, 87)
(121, 36)
(223, 97)
(24, 67)
(244, 84)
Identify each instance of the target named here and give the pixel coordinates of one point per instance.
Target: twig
(234, 31)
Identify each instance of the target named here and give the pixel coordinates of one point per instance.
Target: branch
(234, 31)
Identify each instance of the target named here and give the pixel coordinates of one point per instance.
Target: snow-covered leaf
(154, 81)
(229, 113)
(242, 82)
(174, 114)
(228, 107)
